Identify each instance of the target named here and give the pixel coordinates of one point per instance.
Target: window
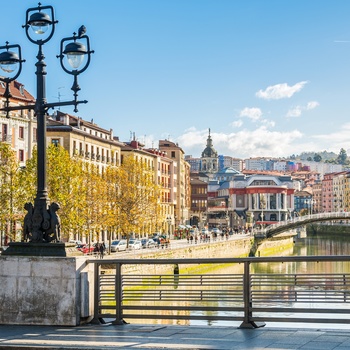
(55, 142)
(21, 155)
(35, 134)
(4, 132)
(21, 132)
(172, 154)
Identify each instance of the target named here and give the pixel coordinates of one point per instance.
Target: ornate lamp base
(41, 249)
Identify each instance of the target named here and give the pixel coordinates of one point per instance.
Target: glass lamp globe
(39, 22)
(8, 61)
(75, 52)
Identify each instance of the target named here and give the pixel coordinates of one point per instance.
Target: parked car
(216, 230)
(88, 249)
(118, 246)
(135, 244)
(76, 242)
(148, 243)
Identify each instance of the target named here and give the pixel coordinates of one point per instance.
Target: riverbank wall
(232, 248)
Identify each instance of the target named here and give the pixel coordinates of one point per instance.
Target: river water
(311, 245)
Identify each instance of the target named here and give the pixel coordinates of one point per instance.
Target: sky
(269, 78)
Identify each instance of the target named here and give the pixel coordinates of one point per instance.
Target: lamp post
(41, 222)
(169, 220)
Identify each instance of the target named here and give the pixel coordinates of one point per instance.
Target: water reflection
(311, 245)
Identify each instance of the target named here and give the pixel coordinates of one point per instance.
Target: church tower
(209, 158)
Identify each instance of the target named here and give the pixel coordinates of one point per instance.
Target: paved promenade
(170, 337)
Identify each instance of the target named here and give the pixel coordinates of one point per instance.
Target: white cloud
(279, 91)
(294, 112)
(297, 111)
(245, 143)
(251, 113)
(312, 105)
(268, 123)
(237, 123)
(263, 142)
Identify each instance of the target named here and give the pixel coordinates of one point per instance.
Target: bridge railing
(240, 293)
(302, 220)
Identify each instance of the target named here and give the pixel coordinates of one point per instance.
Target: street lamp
(41, 219)
(169, 220)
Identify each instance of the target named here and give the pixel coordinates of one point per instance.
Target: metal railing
(299, 221)
(246, 296)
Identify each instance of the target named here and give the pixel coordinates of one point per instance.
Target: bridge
(282, 226)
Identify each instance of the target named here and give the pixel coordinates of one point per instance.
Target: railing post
(96, 319)
(118, 295)
(247, 299)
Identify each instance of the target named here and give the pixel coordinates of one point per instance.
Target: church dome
(209, 151)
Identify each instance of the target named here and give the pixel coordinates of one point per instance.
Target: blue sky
(268, 77)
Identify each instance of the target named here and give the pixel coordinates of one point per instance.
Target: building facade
(84, 139)
(182, 184)
(18, 128)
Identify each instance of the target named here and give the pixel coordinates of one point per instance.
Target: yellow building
(19, 128)
(84, 139)
(182, 185)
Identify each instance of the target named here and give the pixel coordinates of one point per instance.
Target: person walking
(102, 249)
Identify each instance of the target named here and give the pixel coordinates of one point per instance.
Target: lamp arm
(67, 103)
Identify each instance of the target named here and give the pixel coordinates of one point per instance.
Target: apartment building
(183, 186)
(84, 139)
(230, 162)
(18, 128)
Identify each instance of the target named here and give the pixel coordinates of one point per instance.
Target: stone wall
(59, 290)
(45, 290)
(233, 248)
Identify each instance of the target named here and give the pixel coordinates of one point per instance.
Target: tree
(309, 159)
(317, 158)
(64, 175)
(11, 208)
(342, 157)
(137, 196)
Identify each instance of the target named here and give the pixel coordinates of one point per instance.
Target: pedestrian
(97, 248)
(102, 249)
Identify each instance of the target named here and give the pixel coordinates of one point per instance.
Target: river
(311, 245)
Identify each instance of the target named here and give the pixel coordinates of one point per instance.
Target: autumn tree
(138, 195)
(11, 194)
(64, 174)
(89, 200)
(111, 206)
